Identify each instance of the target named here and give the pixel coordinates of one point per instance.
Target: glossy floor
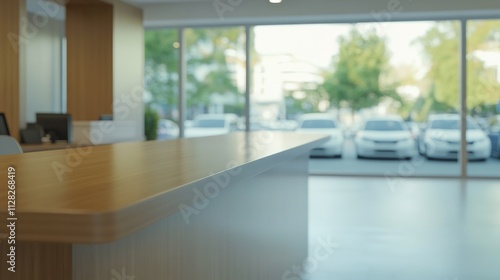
(384, 229)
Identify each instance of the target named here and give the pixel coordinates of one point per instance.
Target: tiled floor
(413, 229)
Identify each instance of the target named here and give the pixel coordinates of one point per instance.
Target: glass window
(483, 97)
(360, 76)
(216, 75)
(287, 72)
(350, 78)
(162, 80)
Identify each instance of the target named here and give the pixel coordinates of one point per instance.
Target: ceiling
(171, 13)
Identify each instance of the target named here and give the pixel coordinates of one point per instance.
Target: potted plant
(151, 119)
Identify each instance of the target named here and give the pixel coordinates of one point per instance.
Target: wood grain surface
(11, 42)
(103, 193)
(38, 261)
(89, 32)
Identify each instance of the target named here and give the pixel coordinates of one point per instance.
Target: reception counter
(220, 207)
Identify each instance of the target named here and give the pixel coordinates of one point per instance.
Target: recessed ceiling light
(275, 1)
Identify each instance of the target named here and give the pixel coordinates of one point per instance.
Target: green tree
(357, 71)
(161, 67)
(441, 47)
(484, 88)
(211, 54)
(428, 104)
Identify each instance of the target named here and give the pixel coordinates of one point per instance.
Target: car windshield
(451, 124)
(213, 123)
(384, 125)
(318, 124)
(165, 124)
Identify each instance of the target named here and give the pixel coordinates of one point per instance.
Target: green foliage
(162, 66)
(207, 62)
(297, 107)
(310, 102)
(440, 44)
(441, 47)
(237, 109)
(426, 105)
(209, 54)
(151, 120)
(356, 72)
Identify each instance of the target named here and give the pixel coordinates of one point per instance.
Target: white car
(385, 137)
(212, 124)
(323, 124)
(441, 139)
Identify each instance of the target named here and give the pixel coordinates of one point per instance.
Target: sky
(317, 43)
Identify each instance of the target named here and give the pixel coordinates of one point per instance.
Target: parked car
(385, 137)
(494, 135)
(167, 129)
(441, 139)
(212, 124)
(323, 124)
(283, 125)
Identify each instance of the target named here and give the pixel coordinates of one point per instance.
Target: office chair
(9, 146)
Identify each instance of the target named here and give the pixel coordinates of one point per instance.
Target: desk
(221, 207)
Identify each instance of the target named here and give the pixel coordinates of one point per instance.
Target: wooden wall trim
(89, 33)
(38, 261)
(10, 11)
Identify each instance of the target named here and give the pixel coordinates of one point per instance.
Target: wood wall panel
(38, 261)
(9, 62)
(89, 32)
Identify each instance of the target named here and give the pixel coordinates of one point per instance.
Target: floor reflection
(419, 229)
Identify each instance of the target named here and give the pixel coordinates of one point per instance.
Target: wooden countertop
(103, 193)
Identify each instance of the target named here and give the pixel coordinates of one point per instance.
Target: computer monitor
(4, 128)
(58, 126)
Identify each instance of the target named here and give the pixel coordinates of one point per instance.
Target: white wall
(128, 67)
(310, 11)
(43, 69)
